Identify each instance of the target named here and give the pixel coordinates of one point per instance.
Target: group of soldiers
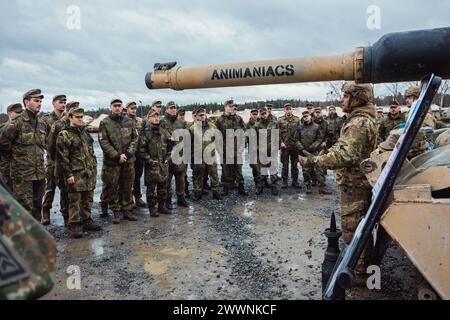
(133, 147)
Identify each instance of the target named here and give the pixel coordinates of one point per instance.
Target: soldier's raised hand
(71, 180)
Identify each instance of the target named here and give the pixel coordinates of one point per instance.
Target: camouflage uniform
(50, 185)
(388, 124)
(255, 173)
(357, 141)
(170, 124)
(76, 157)
(27, 250)
(57, 173)
(25, 140)
(199, 170)
(288, 127)
(153, 151)
(268, 125)
(309, 137)
(138, 123)
(117, 136)
(5, 161)
(232, 172)
(334, 128)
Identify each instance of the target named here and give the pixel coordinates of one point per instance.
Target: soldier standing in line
(231, 172)
(25, 140)
(138, 165)
(288, 124)
(309, 137)
(323, 126)
(269, 169)
(51, 152)
(153, 149)
(201, 139)
(357, 141)
(118, 140)
(76, 157)
(391, 122)
(181, 115)
(252, 122)
(334, 126)
(379, 116)
(170, 123)
(59, 106)
(13, 111)
(272, 117)
(310, 108)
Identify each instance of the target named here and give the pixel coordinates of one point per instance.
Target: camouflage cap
(318, 109)
(152, 113)
(33, 93)
(253, 110)
(115, 100)
(380, 110)
(269, 106)
(309, 105)
(71, 105)
(361, 91)
(394, 103)
(200, 111)
(287, 105)
(60, 97)
(15, 107)
(181, 112)
(157, 103)
(413, 91)
(229, 102)
(76, 112)
(306, 113)
(263, 110)
(331, 108)
(171, 104)
(129, 104)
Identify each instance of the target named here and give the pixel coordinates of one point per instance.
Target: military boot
(45, 216)
(104, 213)
(241, 190)
(153, 211)
(285, 184)
(116, 219)
(295, 184)
(90, 225)
(181, 201)
(162, 207)
(259, 190)
(128, 215)
(140, 203)
(216, 196)
(197, 196)
(75, 230)
(225, 191)
(168, 204)
(308, 189)
(324, 190)
(275, 191)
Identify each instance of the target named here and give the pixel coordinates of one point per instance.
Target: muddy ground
(255, 247)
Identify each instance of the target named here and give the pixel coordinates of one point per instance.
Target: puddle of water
(97, 247)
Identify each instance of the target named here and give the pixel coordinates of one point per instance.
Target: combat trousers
(138, 171)
(29, 194)
(232, 175)
(354, 204)
(291, 156)
(80, 205)
(50, 186)
(156, 192)
(313, 173)
(199, 171)
(179, 181)
(118, 184)
(263, 172)
(64, 200)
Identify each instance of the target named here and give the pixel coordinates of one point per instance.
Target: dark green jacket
(308, 137)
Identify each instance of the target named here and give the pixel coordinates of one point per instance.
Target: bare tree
(443, 90)
(335, 88)
(394, 88)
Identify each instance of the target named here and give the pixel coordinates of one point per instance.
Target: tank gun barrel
(396, 57)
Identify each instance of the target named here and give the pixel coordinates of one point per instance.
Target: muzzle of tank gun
(396, 57)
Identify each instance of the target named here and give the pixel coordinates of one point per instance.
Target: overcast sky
(119, 41)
